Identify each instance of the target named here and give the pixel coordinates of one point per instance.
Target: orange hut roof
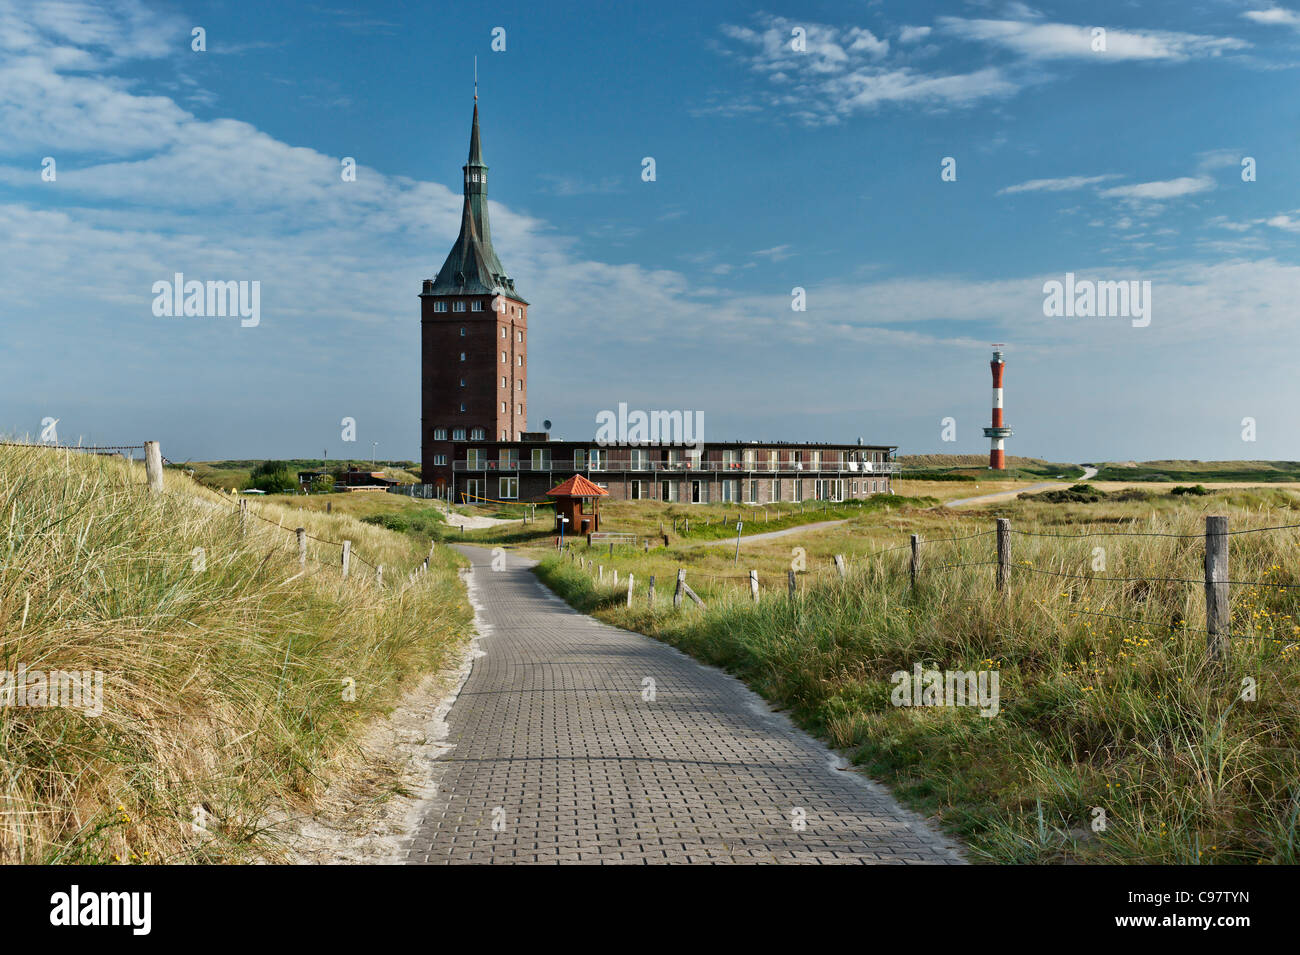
(577, 486)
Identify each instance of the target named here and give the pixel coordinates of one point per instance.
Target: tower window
(503, 407)
(462, 406)
(519, 359)
(458, 434)
(462, 331)
(440, 306)
(519, 385)
(462, 382)
(458, 306)
(519, 409)
(440, 434)
(521, 336)
(476, 306)
(503, 382)
(503, 332)
(503, 358)
(476, 435)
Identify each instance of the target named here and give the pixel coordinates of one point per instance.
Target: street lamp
(373, 445)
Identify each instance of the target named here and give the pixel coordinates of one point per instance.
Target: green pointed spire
(472, 266)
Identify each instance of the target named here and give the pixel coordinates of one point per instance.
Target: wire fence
(348, 551)
(1215, 580)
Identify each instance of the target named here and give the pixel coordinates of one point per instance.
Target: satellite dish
(546, 425)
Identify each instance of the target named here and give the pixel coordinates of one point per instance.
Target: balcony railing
(687, 467)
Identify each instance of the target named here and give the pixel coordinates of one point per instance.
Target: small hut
(569, 498)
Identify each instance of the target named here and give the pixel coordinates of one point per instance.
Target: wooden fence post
(302, 546)
(629, 590)
(916, 553)
(601, 572)
(650, 597)
(379, 575)
(790, 580)
(1004, 553)
(753, 585)
(839, 565)
(153, 466)
(347, 555)
(1216, 586)
(681, 584)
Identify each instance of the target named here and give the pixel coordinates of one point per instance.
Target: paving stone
(551, 729)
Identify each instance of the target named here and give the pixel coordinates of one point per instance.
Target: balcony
(684, 467)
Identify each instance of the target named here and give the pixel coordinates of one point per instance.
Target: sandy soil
(375, 802)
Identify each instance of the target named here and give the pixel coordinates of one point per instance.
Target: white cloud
(913, 34)
(844, 71)
(1047, 41)
(1161, 190)
(1055, 185)
(1274, 16)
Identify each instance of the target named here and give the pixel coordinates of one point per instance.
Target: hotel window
(730, 491)
(541, 459)
(475, 459)
(798, 490)
(730, 459)
(776, 490)
(458, 306)
(508, 487)
(440, 306)
(440, 434)
(749, 460)
(597, 459)
(508, 459)
(477, 434)
(693, 458)
(752, 496)
(814, 459)
(640, 460)
(476, 306)
(579, 459)
(635, 490)
(458, 434)
(440, 460)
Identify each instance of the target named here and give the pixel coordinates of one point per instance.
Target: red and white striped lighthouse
(998, 432)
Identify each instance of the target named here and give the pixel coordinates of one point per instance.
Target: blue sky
(776, 168)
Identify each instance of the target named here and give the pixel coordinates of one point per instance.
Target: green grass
(974, 467)
(1095, 712)
(224, 668)
(1201, 472)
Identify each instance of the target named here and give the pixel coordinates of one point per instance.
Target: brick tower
(473, 339)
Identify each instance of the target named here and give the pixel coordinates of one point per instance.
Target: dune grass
(1097, 715)
(233, 679)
